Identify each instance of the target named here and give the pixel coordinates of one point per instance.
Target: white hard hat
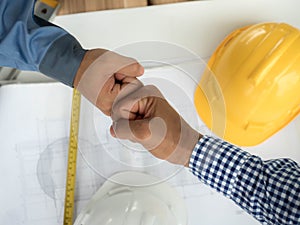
(127, 202)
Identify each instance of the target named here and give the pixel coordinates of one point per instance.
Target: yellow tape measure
(72, 159)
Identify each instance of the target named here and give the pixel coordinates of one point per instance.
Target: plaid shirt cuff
(217, 163)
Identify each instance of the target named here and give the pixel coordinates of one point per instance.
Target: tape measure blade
(72, 159)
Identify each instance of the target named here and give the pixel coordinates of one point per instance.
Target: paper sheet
(34, 129)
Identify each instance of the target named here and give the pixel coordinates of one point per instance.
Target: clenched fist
(144, 116)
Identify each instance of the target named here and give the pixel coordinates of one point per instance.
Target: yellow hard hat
(251, 87)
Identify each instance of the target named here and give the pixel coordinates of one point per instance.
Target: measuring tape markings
(72, 159)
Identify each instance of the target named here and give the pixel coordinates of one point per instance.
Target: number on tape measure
(72, 159)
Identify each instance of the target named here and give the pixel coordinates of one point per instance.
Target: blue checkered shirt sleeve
(268, 190)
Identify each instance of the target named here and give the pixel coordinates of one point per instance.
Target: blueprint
(34, 129)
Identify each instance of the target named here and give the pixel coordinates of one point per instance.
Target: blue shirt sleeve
(30, 43)
(268, 190)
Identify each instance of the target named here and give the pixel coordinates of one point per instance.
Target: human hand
(145, 116)
(103, 75)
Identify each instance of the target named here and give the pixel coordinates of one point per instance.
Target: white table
(34, 118)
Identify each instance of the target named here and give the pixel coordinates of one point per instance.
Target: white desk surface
(34, 118)
(199, 26)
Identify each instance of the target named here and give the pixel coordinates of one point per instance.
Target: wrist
(89, 57)
(186, 144)
(192, 139)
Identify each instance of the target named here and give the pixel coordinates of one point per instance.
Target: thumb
(149, 132)
(133, 130)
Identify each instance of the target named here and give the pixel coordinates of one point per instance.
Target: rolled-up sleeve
(29, 43)
(268, 190)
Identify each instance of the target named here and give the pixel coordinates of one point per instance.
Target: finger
(129, 85)
(113, 89)
(120, 91)
(119, 76)
(135, 102)
(132, 70)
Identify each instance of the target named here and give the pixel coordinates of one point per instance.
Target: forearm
(268, 190)
(29, 43)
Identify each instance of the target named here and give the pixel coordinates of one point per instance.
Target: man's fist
(103, 75)
(144, 116)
